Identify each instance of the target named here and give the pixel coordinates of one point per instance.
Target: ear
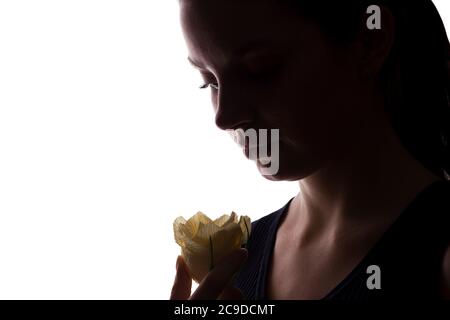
(376, 40)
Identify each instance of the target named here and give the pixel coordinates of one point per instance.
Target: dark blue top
(409, 254)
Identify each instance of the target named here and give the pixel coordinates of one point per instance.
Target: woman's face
(276, 70)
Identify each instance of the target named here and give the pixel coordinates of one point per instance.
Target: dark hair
(415, 77)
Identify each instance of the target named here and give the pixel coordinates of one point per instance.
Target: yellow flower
(205, 242)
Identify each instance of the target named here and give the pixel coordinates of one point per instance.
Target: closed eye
(212, 85)
(210, 80)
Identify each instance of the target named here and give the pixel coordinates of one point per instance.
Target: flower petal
(225, 241)
(233, 219)
(200, 217)
(204, 231)
(196, 263)
(226, 219)
(178, 230)
(246, 227)
(204, 243)
(222, 220)
(183, 230)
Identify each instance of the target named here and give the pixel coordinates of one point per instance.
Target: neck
(369, 185)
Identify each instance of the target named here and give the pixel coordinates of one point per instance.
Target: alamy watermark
(374, 280)
(374, 20)
(255, 143)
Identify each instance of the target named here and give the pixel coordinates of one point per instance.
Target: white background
(104, 140)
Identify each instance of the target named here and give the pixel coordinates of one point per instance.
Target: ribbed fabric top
(409, 254)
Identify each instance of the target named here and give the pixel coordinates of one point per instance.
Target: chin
(285, 173)
(279, 176)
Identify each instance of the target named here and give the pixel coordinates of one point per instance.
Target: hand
(215, 285)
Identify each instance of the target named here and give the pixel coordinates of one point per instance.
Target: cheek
(315, 112)
(213, 97)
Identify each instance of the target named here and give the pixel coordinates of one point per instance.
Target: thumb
(181, 289)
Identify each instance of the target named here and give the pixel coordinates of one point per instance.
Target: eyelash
(262, 76)
(214, 86)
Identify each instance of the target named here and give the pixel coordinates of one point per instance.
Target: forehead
(221, 28)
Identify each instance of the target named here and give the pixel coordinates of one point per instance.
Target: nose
(232, 109)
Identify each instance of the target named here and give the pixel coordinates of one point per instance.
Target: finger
(231, 293)
(217, 279)
(181, 289)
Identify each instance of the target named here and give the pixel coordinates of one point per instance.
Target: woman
(364, 120)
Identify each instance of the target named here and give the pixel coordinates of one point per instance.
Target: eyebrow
(252, 45)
